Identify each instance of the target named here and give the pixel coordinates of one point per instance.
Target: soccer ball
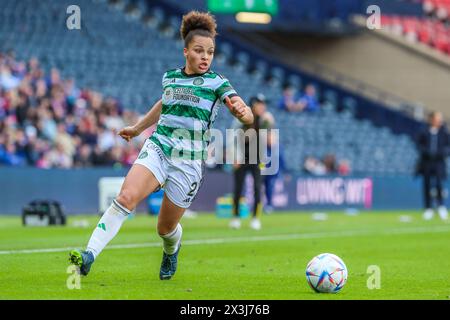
(326, 273)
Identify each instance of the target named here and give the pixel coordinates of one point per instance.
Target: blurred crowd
(437, 9)
(48, 122)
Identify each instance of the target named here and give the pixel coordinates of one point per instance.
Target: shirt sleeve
(225, 89)
(164, 80)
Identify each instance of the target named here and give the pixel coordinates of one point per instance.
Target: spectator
(113, 120)
(115, 157)
(308, 102)
(263, 120)
(48, 122)
(65, 140)
(57, 158)
(21, 143)
(289, 101)
(130, 155)
(344, 168)
(329, 161)
(7, 80)
(314, 166)
(106, 139)
(428, 8)
(9, 156)
(48, 125)
(433, 144)
(329, 165)
(293, 103)
(99, 158)
(54, 78)
(83, 158)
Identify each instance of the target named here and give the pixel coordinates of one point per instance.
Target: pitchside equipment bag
(43, 213)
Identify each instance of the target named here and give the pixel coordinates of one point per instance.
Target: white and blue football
(326, 273)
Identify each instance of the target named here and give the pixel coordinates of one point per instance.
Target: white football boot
(235, 223)
(442, 210)
(255, 224)
(428, 214)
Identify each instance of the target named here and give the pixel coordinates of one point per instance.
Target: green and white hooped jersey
(190, 104)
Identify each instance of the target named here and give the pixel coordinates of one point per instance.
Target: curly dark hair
(197, 23)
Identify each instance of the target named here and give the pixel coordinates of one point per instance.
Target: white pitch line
(280, 237)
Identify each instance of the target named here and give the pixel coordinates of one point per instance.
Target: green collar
(194, 74)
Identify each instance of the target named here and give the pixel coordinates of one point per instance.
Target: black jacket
(433, 163)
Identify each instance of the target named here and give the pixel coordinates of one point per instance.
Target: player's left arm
(239, 109)
(228, 96)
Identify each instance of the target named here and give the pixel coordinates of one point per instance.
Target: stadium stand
(432, 32)
(122, 52)
(431, 26)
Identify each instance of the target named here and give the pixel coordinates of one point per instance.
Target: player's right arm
(145, 122)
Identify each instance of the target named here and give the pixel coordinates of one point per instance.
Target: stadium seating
(428, 31)
(123, 53)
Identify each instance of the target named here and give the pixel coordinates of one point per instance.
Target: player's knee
(126, 199)
(165, 228)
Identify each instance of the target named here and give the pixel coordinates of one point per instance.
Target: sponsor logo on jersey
(186, 94)
(187, 200)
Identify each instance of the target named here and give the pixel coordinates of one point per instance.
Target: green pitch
(218, 263)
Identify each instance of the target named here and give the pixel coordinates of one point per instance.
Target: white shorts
(179, 178)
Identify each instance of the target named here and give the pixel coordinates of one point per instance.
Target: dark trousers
(269, 185)
(239, 179)
(431, 182)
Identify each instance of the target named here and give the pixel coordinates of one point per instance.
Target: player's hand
(128, 133)
(238, 109)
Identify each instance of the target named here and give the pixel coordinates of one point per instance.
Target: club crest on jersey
(199, 81)
(168, 93)
(143, 155)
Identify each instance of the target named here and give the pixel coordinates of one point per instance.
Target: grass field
(218, 263)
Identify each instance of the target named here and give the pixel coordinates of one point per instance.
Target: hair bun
(195, 20)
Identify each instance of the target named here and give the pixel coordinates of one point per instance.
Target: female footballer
(190, 101)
